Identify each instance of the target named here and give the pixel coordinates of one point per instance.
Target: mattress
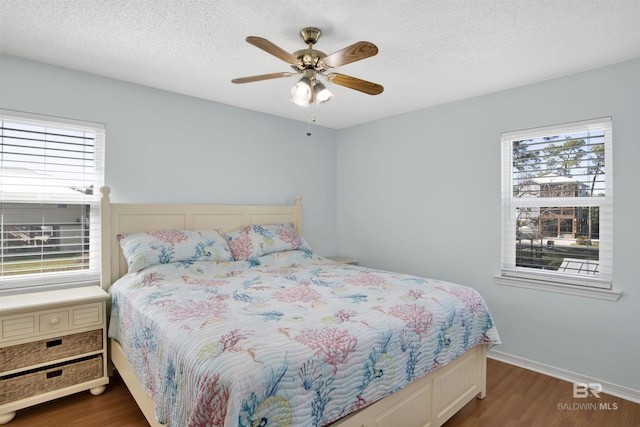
(286, 339)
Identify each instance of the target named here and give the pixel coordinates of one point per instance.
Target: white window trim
(557, 287)
(510, 275)
(72, 279)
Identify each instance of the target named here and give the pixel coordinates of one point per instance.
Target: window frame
(549, 280)
(44, 281)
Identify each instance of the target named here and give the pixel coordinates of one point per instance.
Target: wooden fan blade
(274, 50)
(262, 77)
(349, 54)
(354, 83)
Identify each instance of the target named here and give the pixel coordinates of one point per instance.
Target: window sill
(583, 291)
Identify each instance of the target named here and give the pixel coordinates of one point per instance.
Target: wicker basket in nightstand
(54, 377)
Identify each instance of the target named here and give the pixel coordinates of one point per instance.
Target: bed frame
(429, 401)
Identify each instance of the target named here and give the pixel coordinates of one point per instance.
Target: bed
(252, 328)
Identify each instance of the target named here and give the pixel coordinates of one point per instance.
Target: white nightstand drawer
(48, 322)
(87, 315)
(54, 321)
(18, 326)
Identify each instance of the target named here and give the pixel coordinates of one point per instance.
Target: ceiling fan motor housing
(310, 35)
(309, 58)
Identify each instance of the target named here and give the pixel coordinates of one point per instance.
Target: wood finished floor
(515, 397)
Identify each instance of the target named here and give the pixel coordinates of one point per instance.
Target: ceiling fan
(311, 63)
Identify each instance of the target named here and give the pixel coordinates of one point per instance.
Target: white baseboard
(572, 377)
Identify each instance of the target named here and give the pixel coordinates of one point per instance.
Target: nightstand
(343, 260)
(52, 344)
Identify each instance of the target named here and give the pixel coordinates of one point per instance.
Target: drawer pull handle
(54, 343)
(54, 320)
(53, 374)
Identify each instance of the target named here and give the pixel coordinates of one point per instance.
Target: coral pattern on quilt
(287, 339)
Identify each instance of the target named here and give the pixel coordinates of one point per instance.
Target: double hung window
(557, 205)
(51, 170)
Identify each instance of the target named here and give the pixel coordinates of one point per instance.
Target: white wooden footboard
(427, 402)
(431, 400)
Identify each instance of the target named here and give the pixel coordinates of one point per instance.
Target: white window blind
(557, 204)
(51, 170)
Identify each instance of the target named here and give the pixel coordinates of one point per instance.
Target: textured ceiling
(430, 51)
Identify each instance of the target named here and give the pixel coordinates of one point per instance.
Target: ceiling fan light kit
(302, 92)
(321, 93)
(309, 90)
(312, 63)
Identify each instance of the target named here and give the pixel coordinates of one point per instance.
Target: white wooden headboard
(126, 218)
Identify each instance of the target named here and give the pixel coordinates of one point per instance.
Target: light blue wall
(164, 147)
(420, 193)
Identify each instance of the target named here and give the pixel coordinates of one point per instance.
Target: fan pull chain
(311, 119)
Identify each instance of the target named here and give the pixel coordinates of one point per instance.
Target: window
(51, 170)
(557, 205)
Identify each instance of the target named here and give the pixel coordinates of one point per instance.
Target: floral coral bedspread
(289, 339)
